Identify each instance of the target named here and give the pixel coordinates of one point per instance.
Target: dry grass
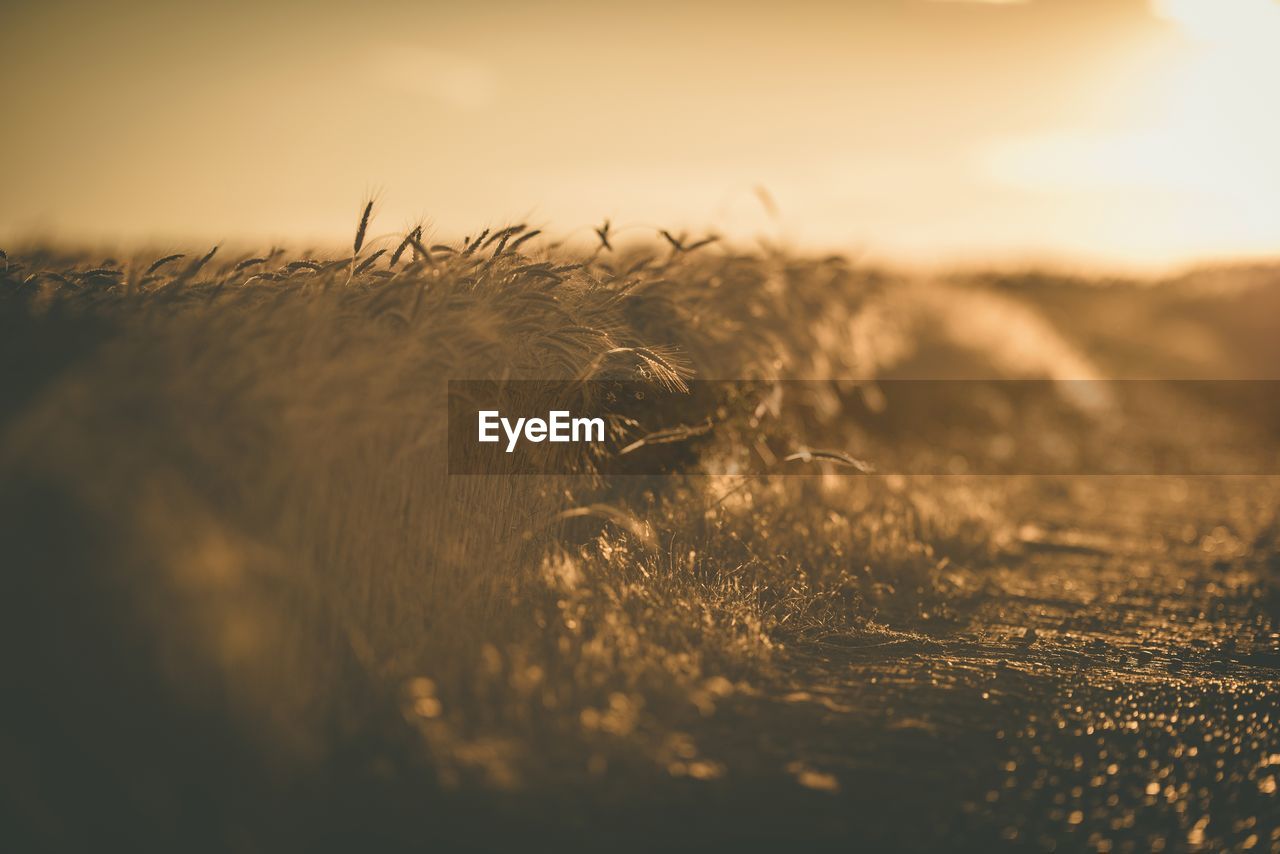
(248, 454)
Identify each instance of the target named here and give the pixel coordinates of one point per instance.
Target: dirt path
(1141, 717)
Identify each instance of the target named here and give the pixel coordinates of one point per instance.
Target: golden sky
(1129, 132)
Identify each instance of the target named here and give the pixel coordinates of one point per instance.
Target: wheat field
(244, 594)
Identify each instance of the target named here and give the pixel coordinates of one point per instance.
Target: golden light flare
(1239, 23)
(1190, 170)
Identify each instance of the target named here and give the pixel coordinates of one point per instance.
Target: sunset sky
(1127, 132)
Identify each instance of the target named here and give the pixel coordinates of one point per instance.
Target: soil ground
(1112, 686)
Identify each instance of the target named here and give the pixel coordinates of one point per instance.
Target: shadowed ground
(1141, 717)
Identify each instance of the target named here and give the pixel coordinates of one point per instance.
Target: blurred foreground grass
(243, 593)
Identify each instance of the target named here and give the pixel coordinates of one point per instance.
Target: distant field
(243, 594)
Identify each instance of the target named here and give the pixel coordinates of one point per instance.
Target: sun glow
(1191, 170)
(1219, 126)
(1238, 23)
